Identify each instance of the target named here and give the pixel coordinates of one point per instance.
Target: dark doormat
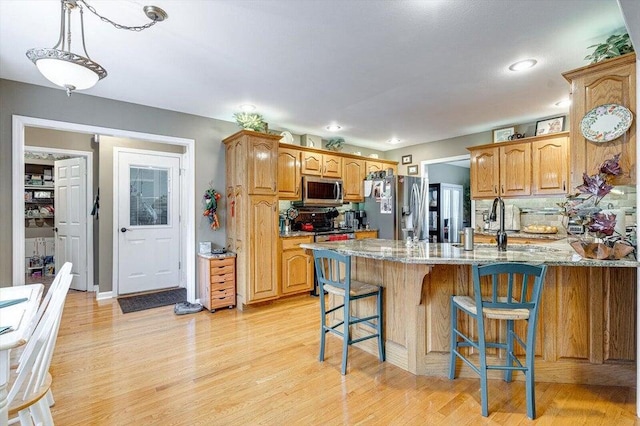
(152, 300)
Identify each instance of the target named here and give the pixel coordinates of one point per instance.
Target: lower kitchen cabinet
(363, 235)
(296, 266)
(217, 281)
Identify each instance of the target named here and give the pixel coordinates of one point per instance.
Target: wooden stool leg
(482, 355)
(380, 326)
(346, 337)
(509, 373)
(323, 323)
(454, 339)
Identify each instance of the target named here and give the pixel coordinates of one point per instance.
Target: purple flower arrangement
(583, 207)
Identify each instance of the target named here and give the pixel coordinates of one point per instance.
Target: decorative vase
(601, 251)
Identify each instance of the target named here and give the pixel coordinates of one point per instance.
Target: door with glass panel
(148, 222)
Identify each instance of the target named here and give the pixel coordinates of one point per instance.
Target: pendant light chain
(115, 24)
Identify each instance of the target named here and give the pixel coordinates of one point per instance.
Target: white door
(148, 222)
(70, 177)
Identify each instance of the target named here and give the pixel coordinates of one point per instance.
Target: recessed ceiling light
(333, 127)
(247, 108)
(394, 141)
(523, 65)
(563, 103)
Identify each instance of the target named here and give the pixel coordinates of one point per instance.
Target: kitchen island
(586, 333)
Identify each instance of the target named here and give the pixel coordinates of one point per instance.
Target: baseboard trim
(104, 295)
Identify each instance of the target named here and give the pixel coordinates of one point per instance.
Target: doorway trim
(19, 123)
(424, 172)
(88, 156)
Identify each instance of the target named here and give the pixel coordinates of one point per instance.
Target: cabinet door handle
(502, 189)
(564, 186)
(495, 189)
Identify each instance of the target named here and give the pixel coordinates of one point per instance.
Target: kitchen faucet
(501, 236)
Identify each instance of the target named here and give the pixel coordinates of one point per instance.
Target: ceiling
(419, 71)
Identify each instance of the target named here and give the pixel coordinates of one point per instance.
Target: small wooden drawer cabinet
(217, 281)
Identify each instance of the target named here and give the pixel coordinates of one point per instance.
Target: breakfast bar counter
(586, 332)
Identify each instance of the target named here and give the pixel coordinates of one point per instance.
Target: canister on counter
(468, 238)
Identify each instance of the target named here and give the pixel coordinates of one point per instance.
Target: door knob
(55, 229)
(123, 229)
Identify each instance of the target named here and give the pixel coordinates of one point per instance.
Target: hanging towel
(368, 184)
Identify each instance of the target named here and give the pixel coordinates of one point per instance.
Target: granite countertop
(291, 234)
(556, 253)
(518, 234)
(216, 256)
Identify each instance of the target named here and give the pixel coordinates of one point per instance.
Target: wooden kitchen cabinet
(289, 173)
(353, 174)
(533, 166)
(611, 81)
(373, 166)
(550, 165)
(324, 165)
(363, 235)
(485, 172)
(515, 170)
(217, 281)
(296, 266)
(252, 213)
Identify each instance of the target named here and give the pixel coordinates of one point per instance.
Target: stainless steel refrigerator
(396, 206)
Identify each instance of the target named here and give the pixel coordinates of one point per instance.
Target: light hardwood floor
(260, 367)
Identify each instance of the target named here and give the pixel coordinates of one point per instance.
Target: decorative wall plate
(287, 137)
(606, 122)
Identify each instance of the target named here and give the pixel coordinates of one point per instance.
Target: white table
(20, 318)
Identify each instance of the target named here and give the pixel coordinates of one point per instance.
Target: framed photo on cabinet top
(412, 170)
(407, 159)
(502, 135)
(550, 125)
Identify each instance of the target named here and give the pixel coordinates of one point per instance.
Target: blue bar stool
(334, 276)
(513, 294)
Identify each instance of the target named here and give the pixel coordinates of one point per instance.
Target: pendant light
(70, 70)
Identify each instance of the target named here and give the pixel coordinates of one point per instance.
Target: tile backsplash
(545, 211)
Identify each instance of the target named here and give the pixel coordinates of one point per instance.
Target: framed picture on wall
(551, 125)
(502, 135)
(412, 170)
(407, 159)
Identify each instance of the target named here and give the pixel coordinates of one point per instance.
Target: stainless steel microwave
(321, 192)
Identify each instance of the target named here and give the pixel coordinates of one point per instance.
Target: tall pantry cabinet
(252, 213)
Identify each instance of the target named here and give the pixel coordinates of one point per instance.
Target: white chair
(30, 382)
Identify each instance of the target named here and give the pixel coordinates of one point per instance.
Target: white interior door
(148, 226)
(70, 177)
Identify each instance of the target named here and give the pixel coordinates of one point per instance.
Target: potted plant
(616, 45)
(335, 144)
(600, 240)
(251, 121)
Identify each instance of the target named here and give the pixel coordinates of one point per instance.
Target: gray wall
(446, 173)
(41, 102)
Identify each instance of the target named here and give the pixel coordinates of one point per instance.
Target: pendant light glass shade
(66, 69)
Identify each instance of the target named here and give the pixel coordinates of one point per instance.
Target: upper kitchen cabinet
(261, 164)
(550, 164)
(515, 170)
(353, 174)
(533, 166)
(289, 173)
(612, 81)
(325, 165)
(485, 172)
